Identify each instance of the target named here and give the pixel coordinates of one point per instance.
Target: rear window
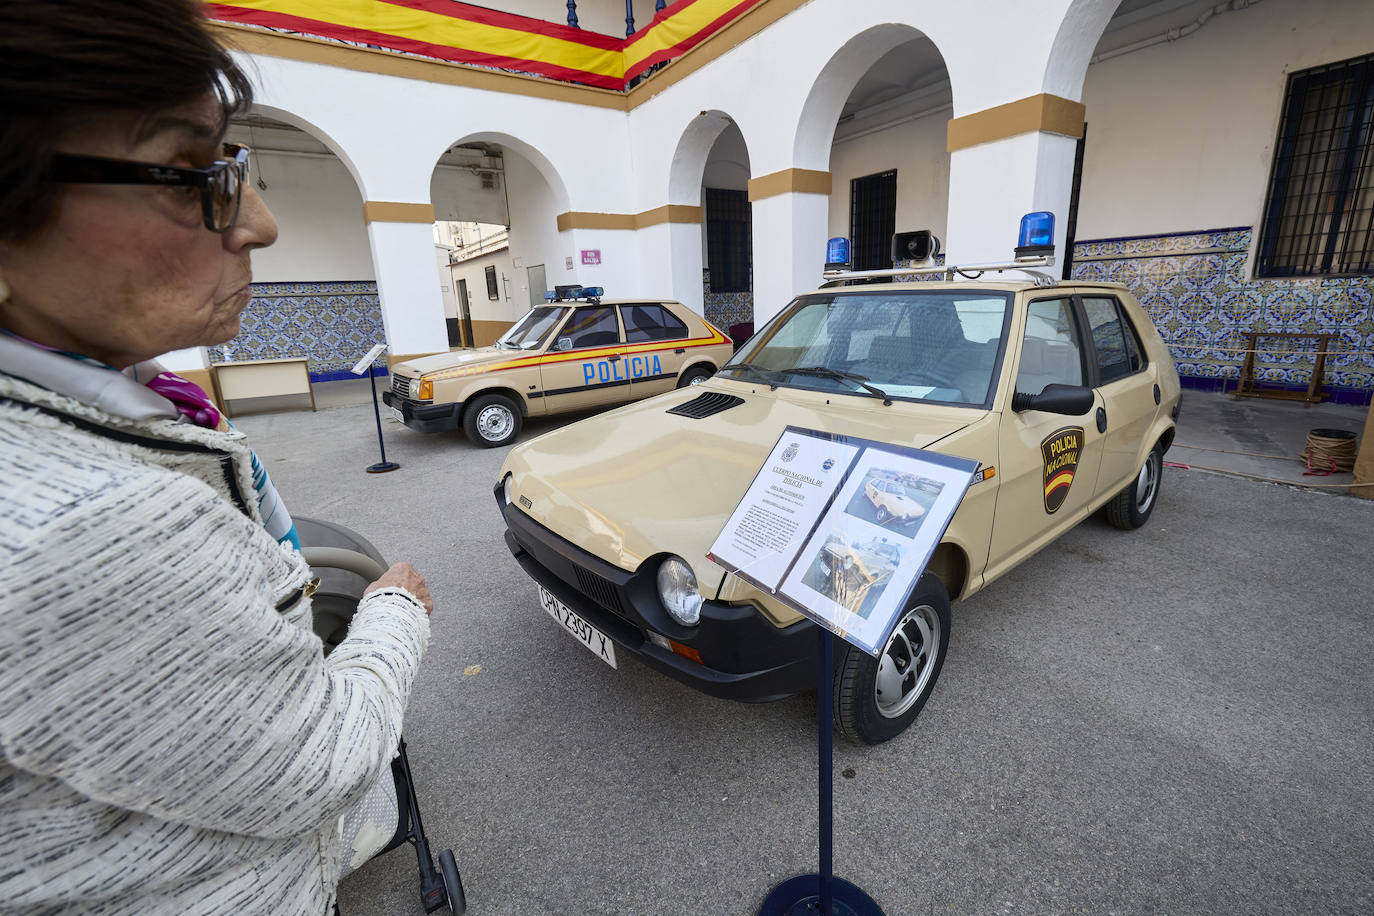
(651, 322)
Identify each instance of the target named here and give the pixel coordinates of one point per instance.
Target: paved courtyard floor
(1174, 720)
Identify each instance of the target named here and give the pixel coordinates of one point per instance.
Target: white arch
(296, 121)
(1079, 32)
(542, 164)
(833, 85)
(689, 158)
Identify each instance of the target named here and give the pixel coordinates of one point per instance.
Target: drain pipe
(1175, 34)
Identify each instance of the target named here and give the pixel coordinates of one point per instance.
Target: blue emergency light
(837, 253)
(1037, 235)
(565, 293)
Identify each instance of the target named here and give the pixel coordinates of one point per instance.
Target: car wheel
(694, 376)
(491, 420)
(1131, 508)
(882, 515)
(876, 699)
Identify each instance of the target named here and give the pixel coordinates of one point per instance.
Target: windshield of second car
(529, 332)
(911, 344)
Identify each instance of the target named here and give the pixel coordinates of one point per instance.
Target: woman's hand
(403, 575)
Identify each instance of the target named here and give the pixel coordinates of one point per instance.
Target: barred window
(1319, 216)
(872, 220)
(728, 240)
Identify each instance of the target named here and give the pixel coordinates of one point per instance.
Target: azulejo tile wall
(1197, 290)
(333, 324)
(726, 309)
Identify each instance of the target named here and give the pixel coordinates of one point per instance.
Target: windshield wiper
(766, 376)
(841, 375)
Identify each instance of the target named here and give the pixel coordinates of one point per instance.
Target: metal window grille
(872, 220)
(729, 254)
(1319, 215)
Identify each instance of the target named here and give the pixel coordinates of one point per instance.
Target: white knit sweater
(169, 741)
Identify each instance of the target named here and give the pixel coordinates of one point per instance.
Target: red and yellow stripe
(468, 34)
(1062, 479)
(581, 355)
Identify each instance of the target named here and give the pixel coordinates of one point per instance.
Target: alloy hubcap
(1147, 483)
(907, 661)
(494, 423)
(697, 380)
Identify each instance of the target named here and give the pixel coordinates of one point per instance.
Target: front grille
(599, 590)
(707, 404)
(400, 385)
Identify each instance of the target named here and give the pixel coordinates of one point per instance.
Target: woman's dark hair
(65, 60)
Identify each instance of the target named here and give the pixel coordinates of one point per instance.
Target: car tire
(1131, 508)
(876, 699)
(491, 420)
(882, 515)
(694, 376)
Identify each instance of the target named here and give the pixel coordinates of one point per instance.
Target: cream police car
(1062, 391)
(576, 352)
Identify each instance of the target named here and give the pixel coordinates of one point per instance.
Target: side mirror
(1070, 400)
(564, 343)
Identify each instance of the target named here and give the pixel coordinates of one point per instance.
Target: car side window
(1051, 352)
(1118, 352)
(592, 327)
(651, 322)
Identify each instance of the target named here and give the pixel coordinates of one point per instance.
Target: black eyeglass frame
(69, 169)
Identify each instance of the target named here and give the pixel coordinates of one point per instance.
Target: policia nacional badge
(1060, 451)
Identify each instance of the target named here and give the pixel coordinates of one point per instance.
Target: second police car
(1062, 391)
(575, 353)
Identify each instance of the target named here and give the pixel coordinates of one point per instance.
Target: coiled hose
(1330, 451)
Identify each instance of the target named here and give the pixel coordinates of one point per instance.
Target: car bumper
(745, 656)
(425, 418)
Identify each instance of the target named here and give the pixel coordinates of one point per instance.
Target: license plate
(598, 643)
(397, 415)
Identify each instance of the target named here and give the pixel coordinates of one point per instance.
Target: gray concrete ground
(1172, 720)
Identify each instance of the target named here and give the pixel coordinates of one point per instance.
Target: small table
(1313, 395)
(262, 378)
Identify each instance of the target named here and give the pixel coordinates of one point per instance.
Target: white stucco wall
(474, 272)
(916, 149)
(1181, 135)
(319, 213)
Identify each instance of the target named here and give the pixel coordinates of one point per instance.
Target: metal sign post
(821, 893)
(382, 466)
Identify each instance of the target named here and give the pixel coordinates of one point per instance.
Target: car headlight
(677, 589)
(508, 488)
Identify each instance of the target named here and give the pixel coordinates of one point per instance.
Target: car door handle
(679, 351)
(1101, 420)
(613, 357)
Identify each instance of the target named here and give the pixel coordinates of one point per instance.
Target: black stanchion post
(382, 466)
(822, 894)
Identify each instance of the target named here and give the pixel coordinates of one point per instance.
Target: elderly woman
(172, 739)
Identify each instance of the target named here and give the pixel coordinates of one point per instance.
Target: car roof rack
(1024, 265)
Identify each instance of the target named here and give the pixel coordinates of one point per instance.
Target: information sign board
(841, 528)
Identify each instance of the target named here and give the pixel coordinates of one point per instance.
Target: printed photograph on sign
(873, 542)
(854, 574)
(894, 499)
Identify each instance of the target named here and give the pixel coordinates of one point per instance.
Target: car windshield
(529, 332)
(939, 346)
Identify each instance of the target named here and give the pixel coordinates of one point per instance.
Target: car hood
(478, 360)
(638, 481)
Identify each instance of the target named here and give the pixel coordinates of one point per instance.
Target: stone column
(790, 211)
(402, 239)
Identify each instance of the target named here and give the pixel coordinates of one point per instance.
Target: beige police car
(575, 353)
(1063, 392)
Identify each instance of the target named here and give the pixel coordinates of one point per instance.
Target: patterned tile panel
(1197, 291)
(726, 309)
(332, 324)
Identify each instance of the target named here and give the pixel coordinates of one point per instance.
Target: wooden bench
(261, 378)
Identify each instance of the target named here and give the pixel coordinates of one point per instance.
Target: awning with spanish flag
(469, 34)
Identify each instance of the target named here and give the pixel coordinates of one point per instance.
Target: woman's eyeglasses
(220, 183)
